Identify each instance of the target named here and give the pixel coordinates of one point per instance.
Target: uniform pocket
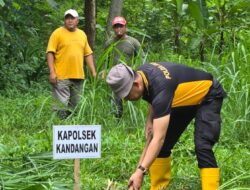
(208, 121)
(210, 130)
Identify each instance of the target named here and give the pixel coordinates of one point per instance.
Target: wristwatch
(144, 170)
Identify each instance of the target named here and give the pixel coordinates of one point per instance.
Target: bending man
(176, 95)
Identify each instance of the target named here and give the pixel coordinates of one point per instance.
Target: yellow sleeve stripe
(191, 93)
(144, 79)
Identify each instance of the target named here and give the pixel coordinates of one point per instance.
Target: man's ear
(136, 83)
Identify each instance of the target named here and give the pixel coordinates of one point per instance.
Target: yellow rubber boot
(210, 178)
(160, 172)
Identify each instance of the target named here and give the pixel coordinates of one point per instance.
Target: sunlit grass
(26, 137)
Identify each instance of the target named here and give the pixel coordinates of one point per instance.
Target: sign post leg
(77, 174)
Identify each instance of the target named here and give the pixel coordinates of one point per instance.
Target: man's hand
(52, 78)
(90, 62)
(94, 74)
(136, 180)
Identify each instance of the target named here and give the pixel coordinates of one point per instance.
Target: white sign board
(76, 141)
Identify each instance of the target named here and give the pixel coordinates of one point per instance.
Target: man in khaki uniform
(125, 49)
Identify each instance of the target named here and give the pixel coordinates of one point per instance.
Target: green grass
(26, 137)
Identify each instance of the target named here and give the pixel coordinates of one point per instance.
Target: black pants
(206, 134)
(207, 126)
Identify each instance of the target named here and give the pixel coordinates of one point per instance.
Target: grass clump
(26, 137)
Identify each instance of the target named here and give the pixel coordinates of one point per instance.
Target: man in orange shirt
(67, 48)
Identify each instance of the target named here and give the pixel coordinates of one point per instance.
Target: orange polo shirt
(69, 49)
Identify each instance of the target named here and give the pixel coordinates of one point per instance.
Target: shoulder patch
(163, 69)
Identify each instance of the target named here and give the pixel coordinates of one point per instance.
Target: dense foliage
(173, 30)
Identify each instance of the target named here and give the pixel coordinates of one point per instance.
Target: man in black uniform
(176, 94)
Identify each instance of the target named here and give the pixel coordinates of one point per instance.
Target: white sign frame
(76, 141)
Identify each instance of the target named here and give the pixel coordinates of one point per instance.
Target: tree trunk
(222, 20)
(201, 50)
(177, 30)
(115, 10)
(221, 43)
(90, 21)
(177, 48)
